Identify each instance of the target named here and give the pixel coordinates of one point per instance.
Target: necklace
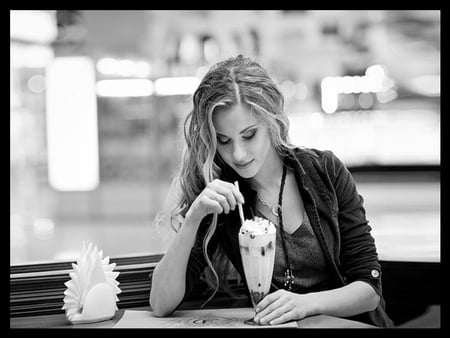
(288, 275)
(273, 209)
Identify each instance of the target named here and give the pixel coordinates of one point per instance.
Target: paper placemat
(211, 318)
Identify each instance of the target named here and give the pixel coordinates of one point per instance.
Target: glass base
(251, 321)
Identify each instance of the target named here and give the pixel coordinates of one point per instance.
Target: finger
(264, 309)
(228, 193)
(235, 191)
(221, 199)
(230, 190)
(223, 202)
(212, 205)
(237, 194)
(285, 317)
(275, 313)
(267, 300)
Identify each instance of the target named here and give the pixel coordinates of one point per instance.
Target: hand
(281, 306)
(217, 197)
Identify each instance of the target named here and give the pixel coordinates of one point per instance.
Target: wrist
(191, 220)
(313, 302)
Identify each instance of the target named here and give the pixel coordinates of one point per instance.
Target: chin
(251, 172)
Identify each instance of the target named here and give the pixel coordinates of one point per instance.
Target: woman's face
(242, 142)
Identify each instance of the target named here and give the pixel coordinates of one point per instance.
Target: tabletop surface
(60, 321)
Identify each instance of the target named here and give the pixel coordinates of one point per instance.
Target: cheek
(263, 145)
(226, 155)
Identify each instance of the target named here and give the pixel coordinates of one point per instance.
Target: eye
(223, 141)
(250, 136)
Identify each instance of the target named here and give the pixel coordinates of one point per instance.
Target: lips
(243, 166)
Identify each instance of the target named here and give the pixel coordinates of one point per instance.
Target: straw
(241, 212)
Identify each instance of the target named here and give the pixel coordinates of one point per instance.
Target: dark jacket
(337, 216)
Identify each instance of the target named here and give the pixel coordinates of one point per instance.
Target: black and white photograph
(225, 169)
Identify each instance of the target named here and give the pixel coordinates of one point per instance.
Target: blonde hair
(235, 81)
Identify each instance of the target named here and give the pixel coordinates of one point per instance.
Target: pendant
(274, 211)
(288, 279)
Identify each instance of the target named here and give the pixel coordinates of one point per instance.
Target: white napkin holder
(91, 294)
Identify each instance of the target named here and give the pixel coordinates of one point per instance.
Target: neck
(268, 177)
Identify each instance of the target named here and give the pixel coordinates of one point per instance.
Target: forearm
(349, 300)
(169, 276)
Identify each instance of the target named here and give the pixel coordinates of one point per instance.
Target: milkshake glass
(257, 246)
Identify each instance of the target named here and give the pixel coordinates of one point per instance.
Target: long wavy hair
(235, 81)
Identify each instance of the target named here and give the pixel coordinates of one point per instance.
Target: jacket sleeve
(358, 255)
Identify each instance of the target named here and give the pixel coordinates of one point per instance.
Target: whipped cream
(257, 226)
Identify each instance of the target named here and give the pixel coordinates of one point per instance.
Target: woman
(326, 260)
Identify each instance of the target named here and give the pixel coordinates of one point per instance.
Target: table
(59, 320)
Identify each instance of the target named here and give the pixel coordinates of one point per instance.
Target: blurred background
(97, 97)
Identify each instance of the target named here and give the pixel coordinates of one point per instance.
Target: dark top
(307, 260)
(337, 217)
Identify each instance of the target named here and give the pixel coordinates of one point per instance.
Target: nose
(239, 153)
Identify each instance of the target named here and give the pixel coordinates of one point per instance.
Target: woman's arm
(349, 300)
(169, 276)
(358, 253)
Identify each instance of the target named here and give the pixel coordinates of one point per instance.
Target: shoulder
(312, 155)
(316, 162)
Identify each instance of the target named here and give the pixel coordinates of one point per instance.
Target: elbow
(156, 299)
(161, 304)
(159, 310)
(164, 299)
(374, 301)
(371, 297)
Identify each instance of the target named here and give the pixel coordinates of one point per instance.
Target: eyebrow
(241, 132)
